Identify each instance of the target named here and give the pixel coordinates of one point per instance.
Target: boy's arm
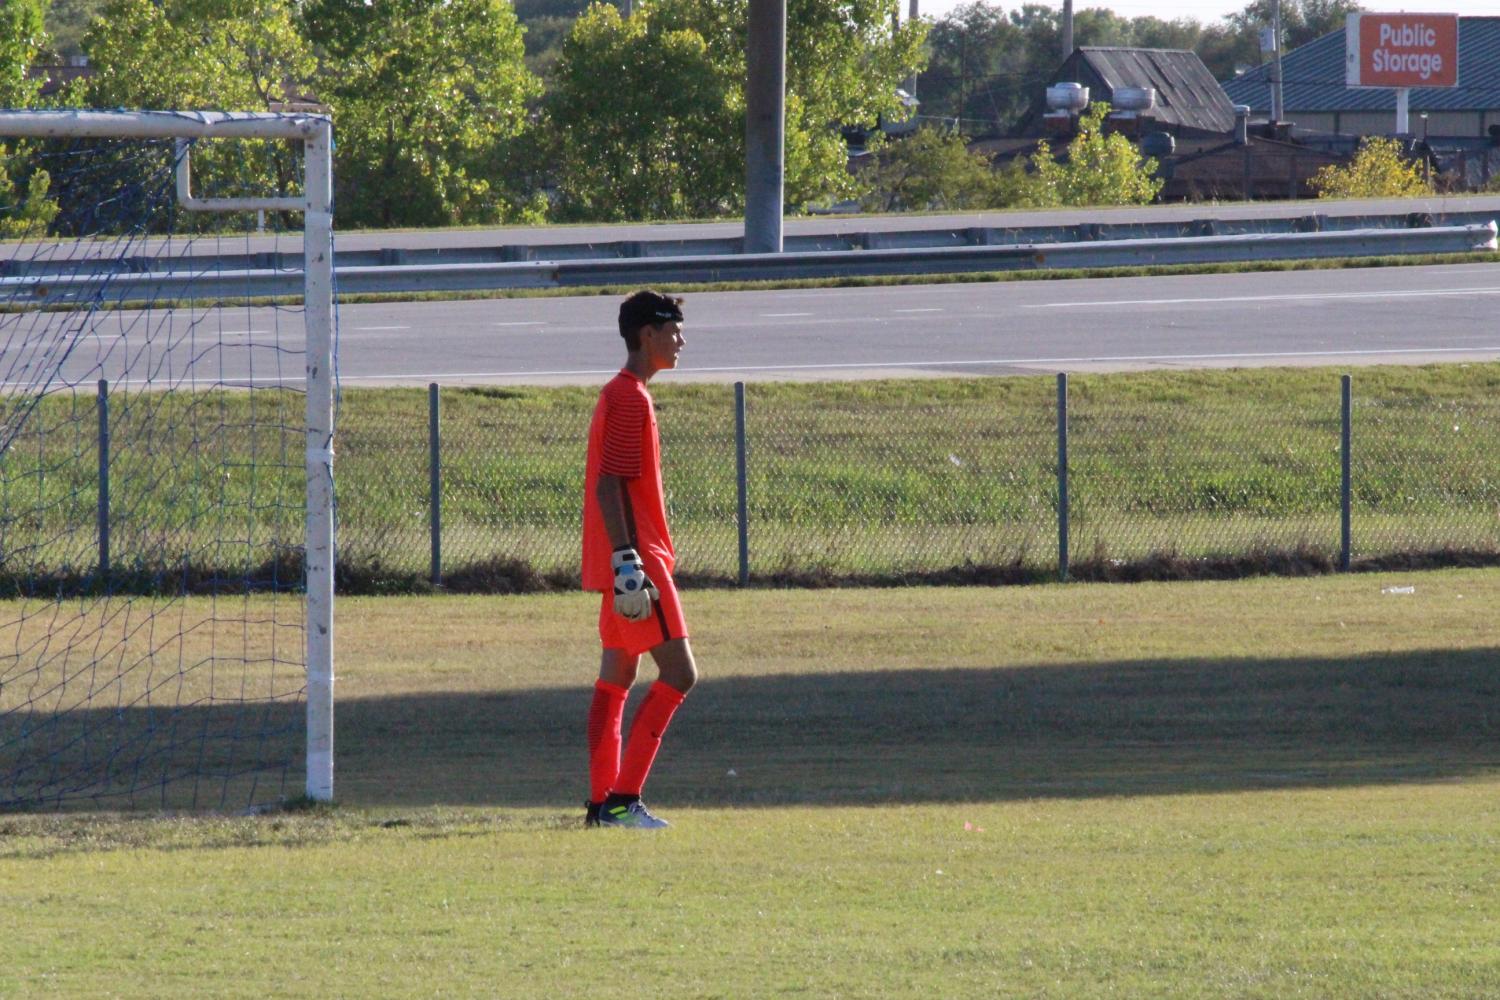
(610, 492)
(634, 590)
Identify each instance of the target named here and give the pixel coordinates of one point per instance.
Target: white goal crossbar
(315, 132)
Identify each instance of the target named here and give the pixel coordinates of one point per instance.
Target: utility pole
(1067, 28)
(1277, 110)
(911, 84)
(765, 126)
(963, 79)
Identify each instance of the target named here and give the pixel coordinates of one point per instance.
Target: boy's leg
(678, 674)
(617, 670)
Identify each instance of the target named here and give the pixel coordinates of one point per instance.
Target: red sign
(1401, 50)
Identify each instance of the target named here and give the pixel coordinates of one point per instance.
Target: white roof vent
(1067, 97)
(1134, 98)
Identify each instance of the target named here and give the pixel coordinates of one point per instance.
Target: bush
(1379, 170)
(1101, 169)
(932, 169)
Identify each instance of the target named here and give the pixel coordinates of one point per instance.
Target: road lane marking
(916, 310)
(371, 329)
(524, 323)
(1290, 297)
(784, 315)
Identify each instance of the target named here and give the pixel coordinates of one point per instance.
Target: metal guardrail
(272, 280)
(915, 239)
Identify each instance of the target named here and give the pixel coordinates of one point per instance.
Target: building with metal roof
(1315, 97)
(1187, 98)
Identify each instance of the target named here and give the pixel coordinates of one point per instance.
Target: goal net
(166, 546)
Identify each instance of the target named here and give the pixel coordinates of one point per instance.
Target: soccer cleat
(630, 815)
(591, 813)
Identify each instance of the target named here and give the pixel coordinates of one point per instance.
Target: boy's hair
(646, 308)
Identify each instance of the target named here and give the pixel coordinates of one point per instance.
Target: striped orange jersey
(623, 442)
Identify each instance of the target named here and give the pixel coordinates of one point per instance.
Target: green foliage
(932, 169)
(23, 37)
(228, 55)
(987, 67)
(1302, 21)
(1101, 169)
(235, 55)
(425, 96)
(844, 64)
(25, 208)
(647, 122)
(28, 215)
(1379, 170)
(676, 69)
(68, 21)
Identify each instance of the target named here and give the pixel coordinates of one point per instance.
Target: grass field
(847, 481)
(1259, 788)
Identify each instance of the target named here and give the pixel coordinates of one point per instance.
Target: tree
(1302, 21)
(1101, 169)
(845, 60)
(225, 55)
(28, 214)
(932, 169)
(987, 68)
(199, 55)
(425, 97)
(23, 38)
(976, 69)
(648, 125)
(1379, 170)
(68, 21)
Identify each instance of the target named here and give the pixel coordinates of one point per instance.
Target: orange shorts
(665, 621)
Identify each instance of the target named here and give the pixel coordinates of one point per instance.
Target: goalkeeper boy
(628, 557)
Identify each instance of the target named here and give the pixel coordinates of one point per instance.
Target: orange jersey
(623, 442)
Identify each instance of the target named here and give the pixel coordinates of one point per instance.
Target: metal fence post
(1062, 475)
(435, 481)
(742, 481)
(1346, 415)
(103, 408)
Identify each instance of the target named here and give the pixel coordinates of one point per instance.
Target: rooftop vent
(1134, 98)
(1067, 97)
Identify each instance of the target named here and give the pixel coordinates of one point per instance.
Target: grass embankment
(1172, 473)
(1262, 788)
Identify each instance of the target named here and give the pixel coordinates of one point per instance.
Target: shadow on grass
(962, 735)
(936, 735)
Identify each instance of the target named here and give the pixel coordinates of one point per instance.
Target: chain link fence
(1425, 475)
(1192, 474)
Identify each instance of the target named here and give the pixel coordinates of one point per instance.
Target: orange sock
(605, 713)
(645, 736)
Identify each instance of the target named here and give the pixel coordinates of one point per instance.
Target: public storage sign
(1401, 50)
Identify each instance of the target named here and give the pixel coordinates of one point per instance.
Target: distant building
(1315, 97)
(1168, 102)
(1184, 98)
(56, 76)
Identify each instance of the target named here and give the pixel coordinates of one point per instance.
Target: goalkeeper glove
(634, 590)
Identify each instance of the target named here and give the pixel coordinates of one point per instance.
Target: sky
(1209, 11)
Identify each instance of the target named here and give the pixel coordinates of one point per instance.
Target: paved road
(1358, 316)
(1348, 317)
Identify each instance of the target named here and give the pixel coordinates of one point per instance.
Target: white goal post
(315, 203)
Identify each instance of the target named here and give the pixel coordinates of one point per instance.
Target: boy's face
(661, 343)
